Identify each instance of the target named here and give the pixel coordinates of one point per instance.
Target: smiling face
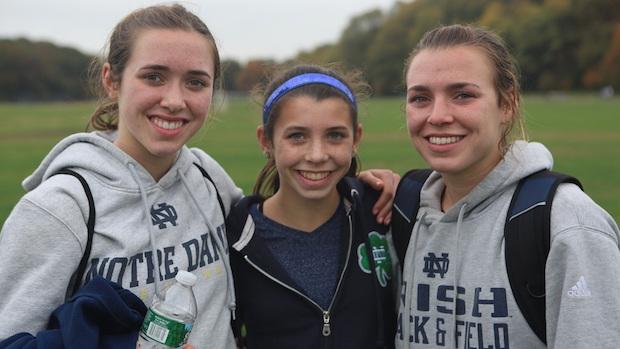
(313, 144)
(163, 95)
(453, 114)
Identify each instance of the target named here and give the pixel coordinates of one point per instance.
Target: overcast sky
(244, 29)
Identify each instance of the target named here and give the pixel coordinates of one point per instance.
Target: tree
(356, 39)
(253, 73)
(230, 73)
(403, 27)
(393, 43)
(324, 54)
(608, 71)
(41, 71)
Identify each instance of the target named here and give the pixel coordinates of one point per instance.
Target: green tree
(41, 71)
(230, 72)
(403, 27)
(608, 71)
(393, 42)
(324, 54)
(254, 72)
(357, 38)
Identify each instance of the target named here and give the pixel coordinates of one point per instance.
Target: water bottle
(168, 322)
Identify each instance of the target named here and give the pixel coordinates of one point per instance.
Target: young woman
(155, 211)
(463, 101)
(312, 268)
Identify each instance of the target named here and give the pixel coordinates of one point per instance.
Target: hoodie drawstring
(147, 212)
(408, 277)
(218, 245)
(456, 272)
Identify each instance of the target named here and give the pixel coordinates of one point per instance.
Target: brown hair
(506, 72)
(121, 43)
(268, 182)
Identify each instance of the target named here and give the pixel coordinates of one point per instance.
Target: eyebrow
(296, 128)
(165, 68)
(338, 128)
(453, 86)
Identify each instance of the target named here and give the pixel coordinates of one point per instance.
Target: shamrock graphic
(381, 256)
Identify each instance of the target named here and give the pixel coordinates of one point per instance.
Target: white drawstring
(409, 279)
(147, 212)
(218, 244)
(456, 272)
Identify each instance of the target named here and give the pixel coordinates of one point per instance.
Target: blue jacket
(100, 315)
(276, 314)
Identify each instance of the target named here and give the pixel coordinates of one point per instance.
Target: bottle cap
(186, 278)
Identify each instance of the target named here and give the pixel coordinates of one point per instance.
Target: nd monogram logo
(164, 214)
(381, 256)
(433, 264)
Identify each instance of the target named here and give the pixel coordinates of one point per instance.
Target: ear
(358, 137)
(506, 115)
(508, 110)
(264, 143)
(111, 87)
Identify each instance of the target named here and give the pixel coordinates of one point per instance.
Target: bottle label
(164, 330)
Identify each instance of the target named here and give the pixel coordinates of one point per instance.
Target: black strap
(527, 243)
(219, 198)
(76, 279)
(234, 323)
(405, 209)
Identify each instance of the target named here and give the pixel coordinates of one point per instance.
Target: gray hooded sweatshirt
(463, 250)
(43, 239)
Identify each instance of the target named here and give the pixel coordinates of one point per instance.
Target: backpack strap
(76, 279)
(234, 322)
(527, 243)
(217, 192)
(405, 209)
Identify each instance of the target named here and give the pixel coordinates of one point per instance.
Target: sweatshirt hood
(96, 153)
(521, 160)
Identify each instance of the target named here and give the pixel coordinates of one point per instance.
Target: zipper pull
(326, 328)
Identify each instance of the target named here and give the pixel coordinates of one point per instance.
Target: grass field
(583, 133)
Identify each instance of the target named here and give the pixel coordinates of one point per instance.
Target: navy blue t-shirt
(310, 258)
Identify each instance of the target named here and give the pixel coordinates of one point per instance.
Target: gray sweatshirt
(43, 239)
(463, 250)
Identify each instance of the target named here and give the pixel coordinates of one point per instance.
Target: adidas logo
(580, 290)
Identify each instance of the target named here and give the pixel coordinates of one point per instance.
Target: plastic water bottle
(168, 322)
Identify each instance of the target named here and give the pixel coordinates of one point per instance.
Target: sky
(243, 30)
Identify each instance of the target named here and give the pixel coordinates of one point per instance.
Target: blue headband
(301, 80)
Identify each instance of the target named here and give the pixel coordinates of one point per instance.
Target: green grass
(583, 133)
(584, 136)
